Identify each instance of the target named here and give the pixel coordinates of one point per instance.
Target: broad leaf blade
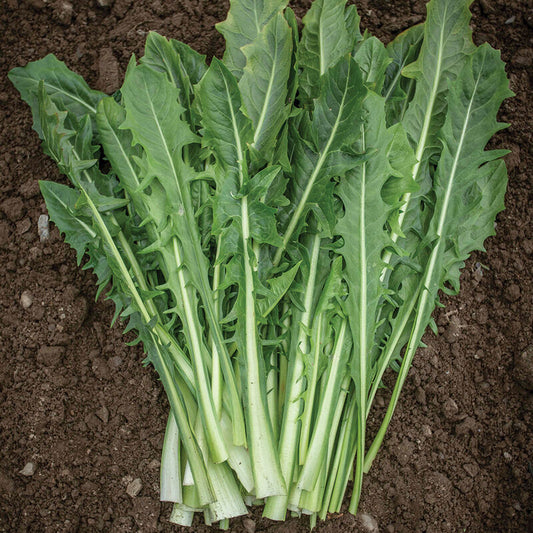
(325, 39)
(373, 60)
(263, 85)
(184, 67)
(68, 90)
(398, 90)
(243, 222)
(364, 238)
(446, 45)
(245, 20)
(315, 161)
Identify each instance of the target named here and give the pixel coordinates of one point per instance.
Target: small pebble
(478, 272)
(43, 228)
(28, 470)
(105, 3)
(134, 488)
(453, 331)
(154, 464)
(369, 523)
(510, 20)
(26, 299)
(23, 226)
(507, 456)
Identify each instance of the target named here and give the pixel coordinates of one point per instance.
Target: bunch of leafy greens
(275, 227)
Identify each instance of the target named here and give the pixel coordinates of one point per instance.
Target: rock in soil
(43, 228)
(450, 408)
(134, 488)
(26, 299)
(369, 523)
(28, 470)
(512, 294)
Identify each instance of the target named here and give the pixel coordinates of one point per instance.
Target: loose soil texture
(82, 423)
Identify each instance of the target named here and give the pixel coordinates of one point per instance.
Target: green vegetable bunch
(276, 227)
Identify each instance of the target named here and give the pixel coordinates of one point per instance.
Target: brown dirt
(78, 405)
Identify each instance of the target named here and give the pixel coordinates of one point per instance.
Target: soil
(78, 406)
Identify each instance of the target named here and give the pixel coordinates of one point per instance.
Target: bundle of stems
(275, 228)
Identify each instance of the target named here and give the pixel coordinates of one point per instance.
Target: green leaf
(61, 205)
(219, 100)
(249, 223)
(398, 90)
(447, 43)
(153, 116)
(338, 106)
(245, 20)
(263, 85)
(325, 39)
(68, 90)
(469, 186)
(364, 238)
(277, 286)
(373, 60)
(184, 66)
(469, 182)
(336, 111)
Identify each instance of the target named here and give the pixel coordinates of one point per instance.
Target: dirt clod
(450, 408)
(50, 355)
(7, 485)
(63, 11)
(468, 425)
(523, 369)
(512, 293)
(471, 469)
(13, 208)
(249, 525)
(108, 69)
